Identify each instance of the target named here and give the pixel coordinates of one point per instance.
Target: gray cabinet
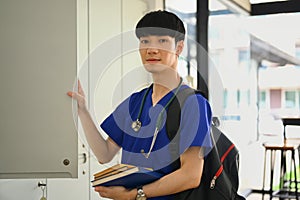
(38, 65)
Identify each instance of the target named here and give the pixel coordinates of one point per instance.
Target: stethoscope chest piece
(136, 125)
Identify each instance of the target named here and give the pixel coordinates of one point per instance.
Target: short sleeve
(114, 123)
(195, 123)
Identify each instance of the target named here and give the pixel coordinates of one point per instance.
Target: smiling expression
(159, 53)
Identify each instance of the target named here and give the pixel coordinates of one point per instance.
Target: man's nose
(152, 49)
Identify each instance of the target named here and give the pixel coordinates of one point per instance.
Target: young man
(141, 133)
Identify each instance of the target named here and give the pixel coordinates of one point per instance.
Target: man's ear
(179, 47)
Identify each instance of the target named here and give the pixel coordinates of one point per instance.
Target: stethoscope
(137, 124)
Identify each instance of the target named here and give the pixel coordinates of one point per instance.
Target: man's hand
(116, 192)
(79, 97)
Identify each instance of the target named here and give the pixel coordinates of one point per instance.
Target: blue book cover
(125, 175)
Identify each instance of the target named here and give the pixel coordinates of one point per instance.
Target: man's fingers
(79, 84)
(70, 94)
(74, 95)
(80, 90)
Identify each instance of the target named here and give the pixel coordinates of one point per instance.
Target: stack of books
(125, 175)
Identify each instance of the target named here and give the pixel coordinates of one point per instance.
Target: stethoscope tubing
(137, 124)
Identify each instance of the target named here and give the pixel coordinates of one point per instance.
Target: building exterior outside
(255, 92)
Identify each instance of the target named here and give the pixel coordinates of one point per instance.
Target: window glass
(187, 65)
(249, 54)
(225, 98)
(299, 100)
(238, 97)
(262, 99)
(290, 99)
(297, 53)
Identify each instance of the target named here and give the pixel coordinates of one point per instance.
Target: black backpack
(220, 179)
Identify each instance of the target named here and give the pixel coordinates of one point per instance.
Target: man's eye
(163, 40)
(144, 41)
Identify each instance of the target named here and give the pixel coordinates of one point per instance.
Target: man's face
(158, 53)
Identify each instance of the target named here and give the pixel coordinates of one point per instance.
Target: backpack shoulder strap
(173, 123)
(174, 110)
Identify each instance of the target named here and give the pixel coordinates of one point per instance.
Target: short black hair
(160, 23)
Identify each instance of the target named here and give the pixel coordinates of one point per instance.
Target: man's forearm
(95, 140)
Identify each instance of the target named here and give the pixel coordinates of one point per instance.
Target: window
(290, 99)
(244, 56)
(225, 98)
(297, 51)
(238, 97)
(275, 98)
(299, 100)
(248, 97)
(262, 99)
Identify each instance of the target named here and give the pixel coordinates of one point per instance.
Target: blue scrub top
(195, 127)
